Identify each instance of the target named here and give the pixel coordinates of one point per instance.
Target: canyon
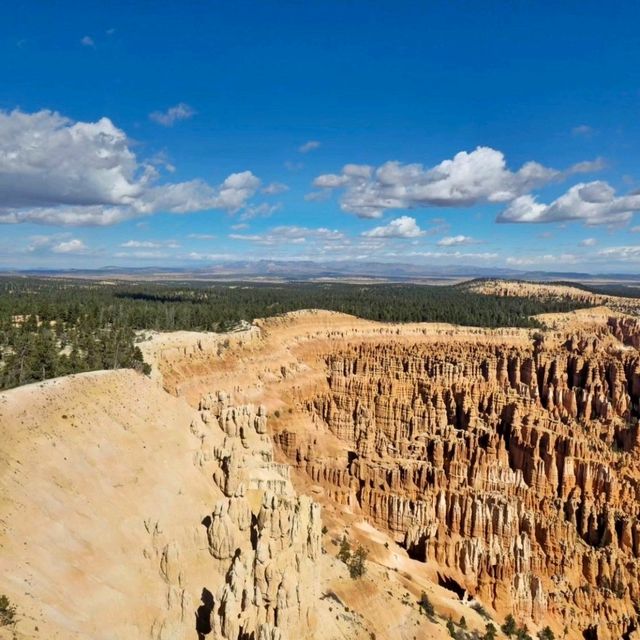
(495, 471)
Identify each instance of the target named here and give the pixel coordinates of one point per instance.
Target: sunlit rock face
(263, 539)
(514, 468)
(505, 461)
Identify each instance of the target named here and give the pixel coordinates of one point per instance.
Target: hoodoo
(495, 471)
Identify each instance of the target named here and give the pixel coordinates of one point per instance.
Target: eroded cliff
(489, 469)
(128, 514)
(505, 461)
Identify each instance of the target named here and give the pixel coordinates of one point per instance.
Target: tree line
(52, 327)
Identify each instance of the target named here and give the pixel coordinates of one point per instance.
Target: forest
(52, 327)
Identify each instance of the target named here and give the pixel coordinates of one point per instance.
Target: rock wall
(514, 469)
(263, 540)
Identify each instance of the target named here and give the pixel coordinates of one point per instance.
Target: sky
(181, 134)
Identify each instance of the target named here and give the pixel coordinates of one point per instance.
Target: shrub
(344, 554)
(490, 632)
(7, 612)
(425, 605)
(357, 567)
(523, 633)
(480, 610)
(509, 627)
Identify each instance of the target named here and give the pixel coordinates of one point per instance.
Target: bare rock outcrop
(513, 469)
(263, 539)
(506, 461)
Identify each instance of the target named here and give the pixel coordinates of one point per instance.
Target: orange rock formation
(505, 460)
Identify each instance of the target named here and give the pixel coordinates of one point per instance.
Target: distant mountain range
(285, 270)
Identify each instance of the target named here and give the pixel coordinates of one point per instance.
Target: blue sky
(177, 134)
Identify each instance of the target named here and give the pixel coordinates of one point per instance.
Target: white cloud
(588, 242)
(196, 195)
(468, 178)
(161, 159)
(70, 246)
(586, 166)
(592, 203)
(402, 227)
(622, 254)
(291, 235)
(149, 244)
(275, 188)
(451, 241)
(201, 236)
(143, 255)
(38, 243)
(311, 145)
(87, 41)
(454, 255)
(540, 260)
(56, 243)
(59, 172)
(168, 118)
(262, 210)
(249, 237)
(195, 255)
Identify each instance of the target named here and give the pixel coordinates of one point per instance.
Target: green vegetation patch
(53, 327)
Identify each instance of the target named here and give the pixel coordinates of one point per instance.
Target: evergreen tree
(509, 627)
(344, 553)
(425, 605)
(357, 566)
(490, 632)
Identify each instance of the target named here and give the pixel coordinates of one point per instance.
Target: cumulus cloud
(622, 254)
(70, 246)
(56, 243)
(593, 203)
(467, 179)
(588, 242)
(275, 188)
(87, 41)
(168, 118)
(262, 210)
(402, 227)
(311, 145)
(451, 241)
(38, 243)
(60, 172)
